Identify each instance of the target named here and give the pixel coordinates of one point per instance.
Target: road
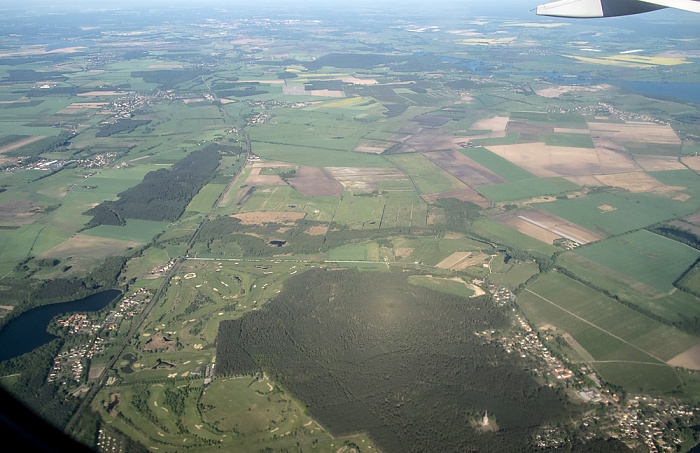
(137, 322)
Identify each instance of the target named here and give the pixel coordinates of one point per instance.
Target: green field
(135, 230)
(321, 157)
(608, 330)
(529, 188)
(646, 257)
(631, 211)
(426, 175)
(502, 167)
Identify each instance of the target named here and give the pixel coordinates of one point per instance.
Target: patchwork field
(461, 260)
(365, 179)
(609, 331)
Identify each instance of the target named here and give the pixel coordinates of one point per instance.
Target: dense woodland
(370, 352)
(163, 194)
(121, 126)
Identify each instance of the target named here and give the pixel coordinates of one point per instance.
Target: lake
(28, 331)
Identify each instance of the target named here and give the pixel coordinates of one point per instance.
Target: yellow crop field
(631, 61)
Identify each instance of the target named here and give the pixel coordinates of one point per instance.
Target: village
(634, 419)
(69, 365)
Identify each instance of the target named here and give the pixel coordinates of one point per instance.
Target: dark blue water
(28, 331)
(682, 90)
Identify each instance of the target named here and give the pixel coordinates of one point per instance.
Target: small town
(68, 366)
(654, 422)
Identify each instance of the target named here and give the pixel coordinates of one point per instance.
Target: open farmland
(337, 229)
(635, 132)
(546, 161)
(643, 256)
(609, 331)
(546, 227)
(614, 212)
(464, 169)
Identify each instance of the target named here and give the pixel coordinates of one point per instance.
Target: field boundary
(597, 327)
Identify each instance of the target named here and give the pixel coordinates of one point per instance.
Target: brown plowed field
(550, 161)
(316, 181)
(635, 132)
(659, 163)
(425, 140)
(527, 228)
(256, 179)
(494, 124)
(528, 128)
(464, 168)
(689, 359)
(260, 217)
(464, 194)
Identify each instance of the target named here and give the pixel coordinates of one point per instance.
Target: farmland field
(618, 212)
(445, 227)
(606, 329)
(643, 256)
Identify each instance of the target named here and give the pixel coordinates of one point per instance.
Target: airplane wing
(687, 5)
(610, 8)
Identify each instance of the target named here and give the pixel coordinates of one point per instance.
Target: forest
(163, 194)
(370, 352)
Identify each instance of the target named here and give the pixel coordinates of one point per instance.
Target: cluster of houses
(640, 419)
(68, 365)
(647, 420)
(164, 267)
(501, 295)
(528, 344)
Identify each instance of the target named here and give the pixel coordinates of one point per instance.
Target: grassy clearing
(511, 274)
(142, 231)
(204, 201)
(457, 288)
(350, 252)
